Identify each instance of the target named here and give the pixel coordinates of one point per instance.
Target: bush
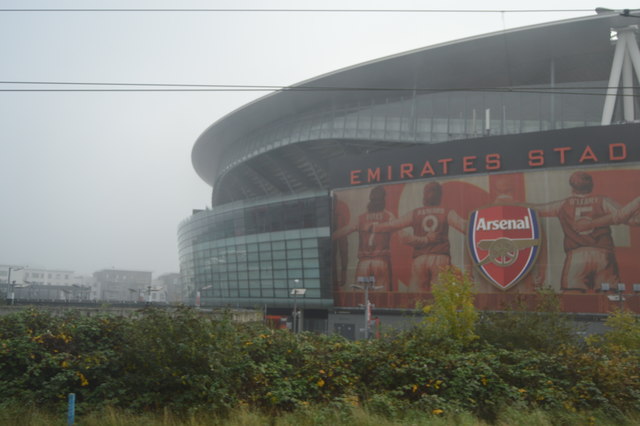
(185, 363)
(544, 328)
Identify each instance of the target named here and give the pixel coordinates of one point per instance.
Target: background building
(123, 285)
(171, 287)
(42, 284)
(291, 167)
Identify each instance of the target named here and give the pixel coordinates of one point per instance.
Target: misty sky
(93, 180)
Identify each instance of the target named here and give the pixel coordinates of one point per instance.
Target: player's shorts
(425, 269)
(588, 267)
(378, 268)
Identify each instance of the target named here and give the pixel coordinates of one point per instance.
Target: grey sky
(99, 180)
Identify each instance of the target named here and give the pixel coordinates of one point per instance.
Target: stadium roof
(580, 49)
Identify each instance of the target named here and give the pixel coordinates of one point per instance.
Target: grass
(322, 415)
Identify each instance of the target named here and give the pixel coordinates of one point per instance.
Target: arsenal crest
(504, 241)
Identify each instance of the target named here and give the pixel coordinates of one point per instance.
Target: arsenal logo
(504, 241)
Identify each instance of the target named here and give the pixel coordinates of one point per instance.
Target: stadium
(512, 155)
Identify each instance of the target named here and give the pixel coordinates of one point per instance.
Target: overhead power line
(310, 10)
(181, 87)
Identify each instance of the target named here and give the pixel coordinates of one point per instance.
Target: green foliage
(535, 324)
(623, 333)
(193, 366)
(452, 314)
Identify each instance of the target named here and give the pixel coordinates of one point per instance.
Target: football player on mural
(341, 218)
(590, 253)
(373, 247)
(627, 215)
(430, 237)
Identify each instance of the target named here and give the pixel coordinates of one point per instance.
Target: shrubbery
(186, 362)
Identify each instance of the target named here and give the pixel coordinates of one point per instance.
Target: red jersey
(373, 244)
(433, 221)
(587, 207)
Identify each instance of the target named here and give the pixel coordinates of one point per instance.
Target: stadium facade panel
(292, 172)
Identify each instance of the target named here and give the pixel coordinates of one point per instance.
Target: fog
(101, 179)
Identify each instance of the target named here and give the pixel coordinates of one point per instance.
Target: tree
(452, 314)
(623, 332)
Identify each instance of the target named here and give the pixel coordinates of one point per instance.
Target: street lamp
(367, 283)
(620, 288)
(12, 297)
(149, 290)
(133, 291)
(198, 301)
(82, 292)
(295, 292)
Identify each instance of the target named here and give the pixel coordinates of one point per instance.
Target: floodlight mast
(368, 283)
(626, 59)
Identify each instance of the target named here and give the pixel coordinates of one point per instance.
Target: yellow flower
(83, 380)
(414, 388)
(65, 364)
(320, 383)
(522, 390)
(437, 411)
(484, 380)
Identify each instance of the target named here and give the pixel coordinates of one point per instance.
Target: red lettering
(373, 175)
(621, 149)
(427, 169)
(445, 165)
(467, 164)
(389, 173)
(536, 158)
(406, 170)
(588, 154)
(355, 177)
(492, 162)
(562, 151)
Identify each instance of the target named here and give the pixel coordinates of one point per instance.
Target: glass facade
(248, 254)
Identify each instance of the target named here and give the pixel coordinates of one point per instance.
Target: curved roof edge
(259, 112)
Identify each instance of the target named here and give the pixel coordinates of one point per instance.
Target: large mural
(574, 229)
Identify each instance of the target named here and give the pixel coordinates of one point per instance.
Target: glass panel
(310, 253)
(312, 273)
(265, 246)
(293, 244)
(279, 264)
(309, 243)
(294, 264)
(310, 263)
(294, 254)
(265, 255)
(295, 273)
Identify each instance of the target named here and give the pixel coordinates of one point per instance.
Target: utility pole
(366, 284)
